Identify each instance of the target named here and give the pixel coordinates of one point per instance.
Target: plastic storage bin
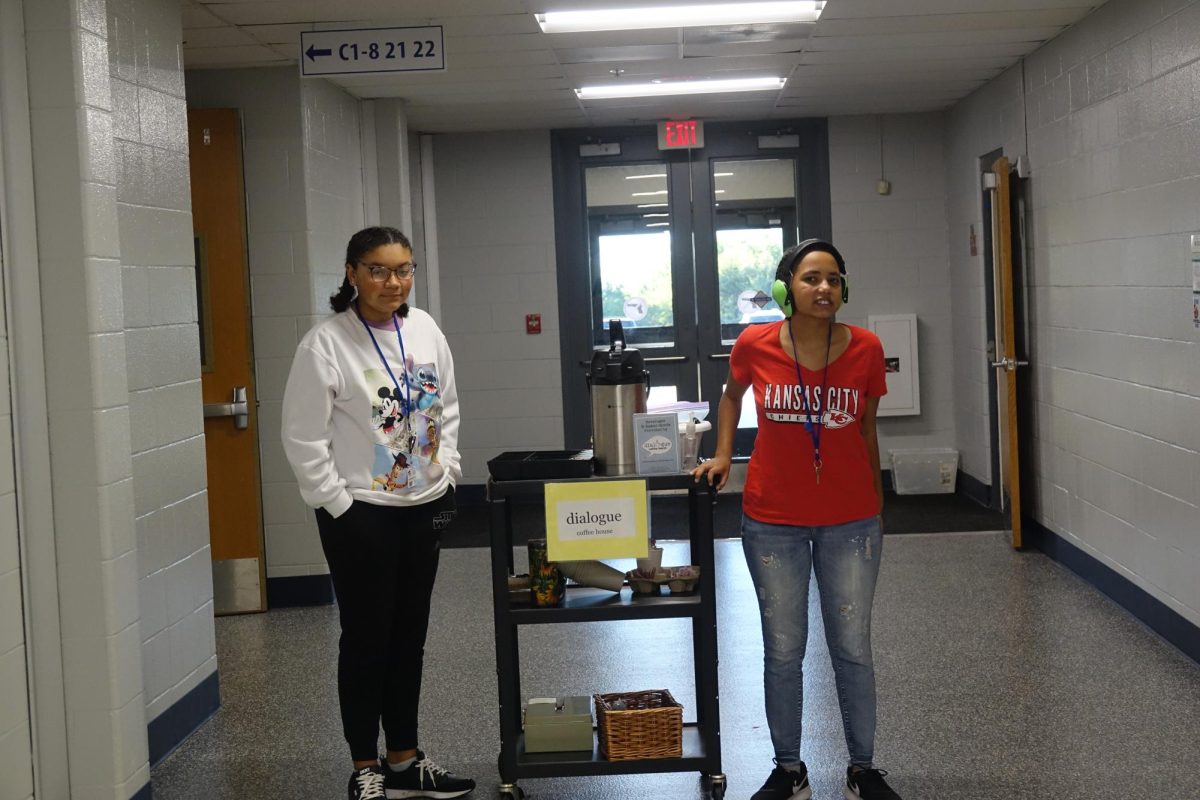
(924, 471)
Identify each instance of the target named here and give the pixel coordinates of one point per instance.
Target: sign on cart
(366, 50)
(596, 519)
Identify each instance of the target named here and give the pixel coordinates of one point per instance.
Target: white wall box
(928, 470)
(898, 332)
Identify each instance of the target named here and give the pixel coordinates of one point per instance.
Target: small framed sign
(656, 443)
(587, 520)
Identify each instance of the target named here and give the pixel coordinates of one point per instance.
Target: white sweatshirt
(346, 429)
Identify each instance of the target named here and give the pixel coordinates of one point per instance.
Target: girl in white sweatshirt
(370, 427)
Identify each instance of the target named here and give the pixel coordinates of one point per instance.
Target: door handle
(666, 360)
(1010, 364)
(238, 409)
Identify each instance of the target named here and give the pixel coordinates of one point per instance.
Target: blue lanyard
(406, 391)
(814, 429)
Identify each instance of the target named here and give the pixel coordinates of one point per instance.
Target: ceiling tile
(857, 9)
(1010, 51)
(616, 55)
(195, 16)
(927, 41)
(861, 26)
(224, 36)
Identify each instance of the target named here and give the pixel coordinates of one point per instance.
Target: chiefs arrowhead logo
(836, 419)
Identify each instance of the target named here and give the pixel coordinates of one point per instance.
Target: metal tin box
(561, 726)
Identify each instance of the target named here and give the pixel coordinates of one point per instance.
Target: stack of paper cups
(593, 573)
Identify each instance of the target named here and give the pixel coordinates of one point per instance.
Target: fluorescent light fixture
(722, 174)
(647, 194)
(718, 191)
(652, 175)
(657, 224)
(651, 205)
(664, 214)
(628, 19)
(679, 87)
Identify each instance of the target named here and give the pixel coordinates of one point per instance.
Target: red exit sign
(680, 134)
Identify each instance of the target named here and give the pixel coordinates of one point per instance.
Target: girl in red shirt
(812, 501)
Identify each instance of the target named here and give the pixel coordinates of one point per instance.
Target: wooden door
(1007, 357)
(223, 304)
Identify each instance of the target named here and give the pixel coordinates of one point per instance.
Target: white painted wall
(495, 218)
(79, 248)
(331, 182)
(16, 754)
(161, 349)
(896, 252)
(1113, 119)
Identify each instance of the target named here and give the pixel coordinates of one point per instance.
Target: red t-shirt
(781, 484)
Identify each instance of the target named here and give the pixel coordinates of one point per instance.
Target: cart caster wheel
(716, 788)
(511, 791)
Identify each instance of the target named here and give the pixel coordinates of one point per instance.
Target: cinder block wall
(161, 352)
(1113, 116)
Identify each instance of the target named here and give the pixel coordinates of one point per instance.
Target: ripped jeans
(846, 561)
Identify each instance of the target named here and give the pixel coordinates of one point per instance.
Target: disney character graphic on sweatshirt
(407, 426)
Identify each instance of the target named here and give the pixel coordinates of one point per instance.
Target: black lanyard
(406, 391)
(814, 429)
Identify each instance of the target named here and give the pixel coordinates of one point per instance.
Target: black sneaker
(784, 784)
(423, 778)
(868, 784)
(367, 783)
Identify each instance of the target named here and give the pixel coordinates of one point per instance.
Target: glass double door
(681, 248)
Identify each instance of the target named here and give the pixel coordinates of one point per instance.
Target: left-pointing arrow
(312, 52)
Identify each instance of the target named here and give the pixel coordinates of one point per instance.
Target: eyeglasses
(380, 273)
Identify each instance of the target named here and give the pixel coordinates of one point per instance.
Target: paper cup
(652, 561)
(593, 573)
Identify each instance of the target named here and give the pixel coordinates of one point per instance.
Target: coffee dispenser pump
(619, 386)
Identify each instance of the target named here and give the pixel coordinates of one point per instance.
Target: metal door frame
(689, 176)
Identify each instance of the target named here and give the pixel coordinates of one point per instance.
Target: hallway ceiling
(503, 73)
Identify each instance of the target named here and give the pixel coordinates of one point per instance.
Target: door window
(754, 208)
(629, 228)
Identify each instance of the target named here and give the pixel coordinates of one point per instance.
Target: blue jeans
(846, 561)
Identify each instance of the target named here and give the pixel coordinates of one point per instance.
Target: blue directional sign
(367, 50)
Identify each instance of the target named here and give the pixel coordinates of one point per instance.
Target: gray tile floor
(1001, 675)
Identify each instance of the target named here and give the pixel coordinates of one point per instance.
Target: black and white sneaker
(367, 783)
(423, 778)
(868, 784)
(784, 784)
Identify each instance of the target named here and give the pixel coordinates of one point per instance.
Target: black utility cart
(702, 739)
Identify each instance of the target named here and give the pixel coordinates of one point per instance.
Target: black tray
(524, 465)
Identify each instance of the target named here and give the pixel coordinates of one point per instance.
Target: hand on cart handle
(715, 469)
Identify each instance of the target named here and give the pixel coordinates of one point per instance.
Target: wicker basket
(650, 725)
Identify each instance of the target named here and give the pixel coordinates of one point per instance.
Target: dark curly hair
(359, 245)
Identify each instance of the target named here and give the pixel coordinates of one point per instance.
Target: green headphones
(781, 290)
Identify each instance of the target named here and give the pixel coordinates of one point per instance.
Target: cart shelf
(550, 765)
(598, 605)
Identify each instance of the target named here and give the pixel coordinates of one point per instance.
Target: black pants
(383, 561)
